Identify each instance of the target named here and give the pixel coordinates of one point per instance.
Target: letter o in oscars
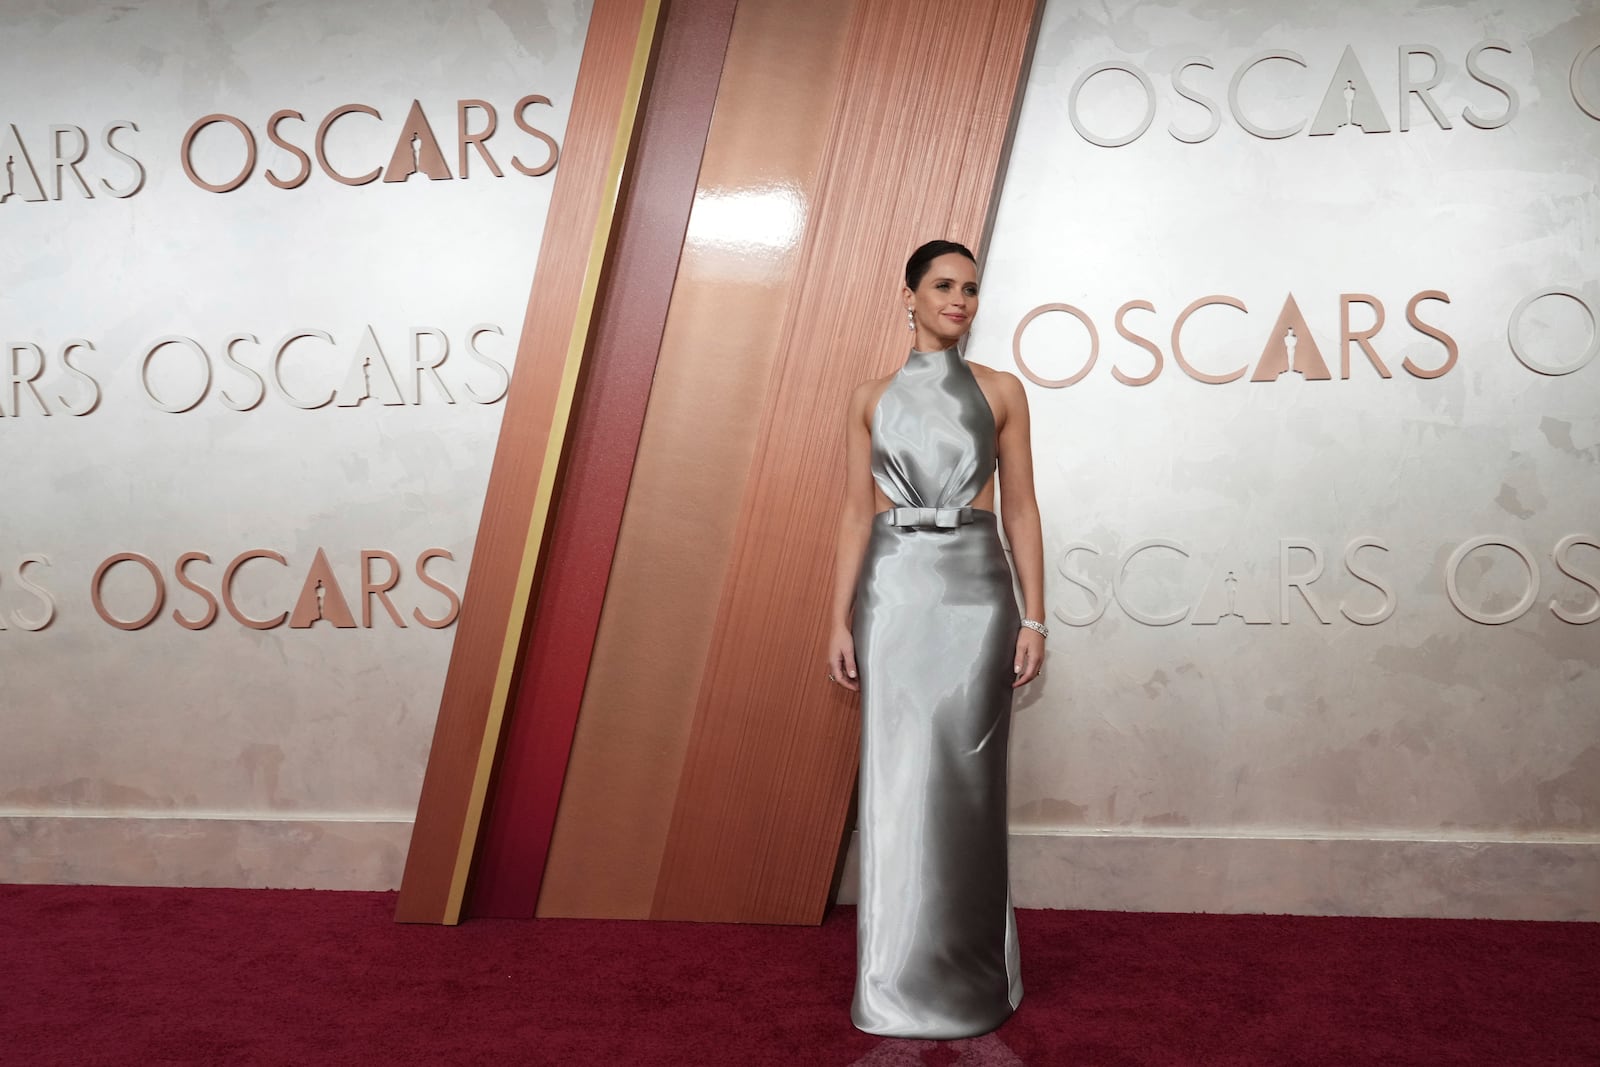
(144, 372)
(1529, 594)
(1575, 82)
(1144, 123)
(1519, 347)
(158, 602)
(1055, 383)
(249, 158)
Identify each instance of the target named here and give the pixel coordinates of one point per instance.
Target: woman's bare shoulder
(864, 397)
(1000, 379)
(1002, 389)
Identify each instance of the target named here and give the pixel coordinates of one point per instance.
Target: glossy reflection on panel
(755, 225)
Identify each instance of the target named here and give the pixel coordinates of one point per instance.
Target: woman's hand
(1030, 656)
(842, 659)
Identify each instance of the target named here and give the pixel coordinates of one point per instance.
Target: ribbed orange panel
(919, 121)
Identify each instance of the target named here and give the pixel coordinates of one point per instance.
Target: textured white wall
(1425, 763)
(231, 755)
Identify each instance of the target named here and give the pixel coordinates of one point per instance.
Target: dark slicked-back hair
(922, 258)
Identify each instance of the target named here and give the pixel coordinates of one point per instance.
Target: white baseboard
(277, 851)
(1546, 877)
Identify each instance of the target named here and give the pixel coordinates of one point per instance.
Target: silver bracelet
(1034, 624)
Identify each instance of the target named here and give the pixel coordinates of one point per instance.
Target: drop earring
(911, 322)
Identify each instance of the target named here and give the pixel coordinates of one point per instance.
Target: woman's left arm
(1019, 510)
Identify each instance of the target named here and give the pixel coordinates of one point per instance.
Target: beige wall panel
(759, 176)
(1394, 754)
(228, 754)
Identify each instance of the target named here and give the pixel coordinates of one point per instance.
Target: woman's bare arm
(1019, 511)
(855, 526)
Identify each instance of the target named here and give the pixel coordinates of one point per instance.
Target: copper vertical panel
(920, 120)
(764, 154)
(521, 481)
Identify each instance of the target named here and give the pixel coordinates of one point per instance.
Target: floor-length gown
(935, 636)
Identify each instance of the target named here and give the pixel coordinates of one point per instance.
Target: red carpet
(145, 976)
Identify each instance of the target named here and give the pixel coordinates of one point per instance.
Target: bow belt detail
(938, 518)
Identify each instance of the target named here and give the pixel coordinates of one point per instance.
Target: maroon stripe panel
(635, 293)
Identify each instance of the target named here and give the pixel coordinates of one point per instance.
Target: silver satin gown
(935, 635)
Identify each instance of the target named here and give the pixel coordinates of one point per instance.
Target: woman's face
(945, 301)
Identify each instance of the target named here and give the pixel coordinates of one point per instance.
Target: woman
(925, 626)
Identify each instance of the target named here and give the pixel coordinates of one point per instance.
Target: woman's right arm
(855, 526)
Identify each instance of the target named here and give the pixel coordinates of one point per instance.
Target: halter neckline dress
(935, 632)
